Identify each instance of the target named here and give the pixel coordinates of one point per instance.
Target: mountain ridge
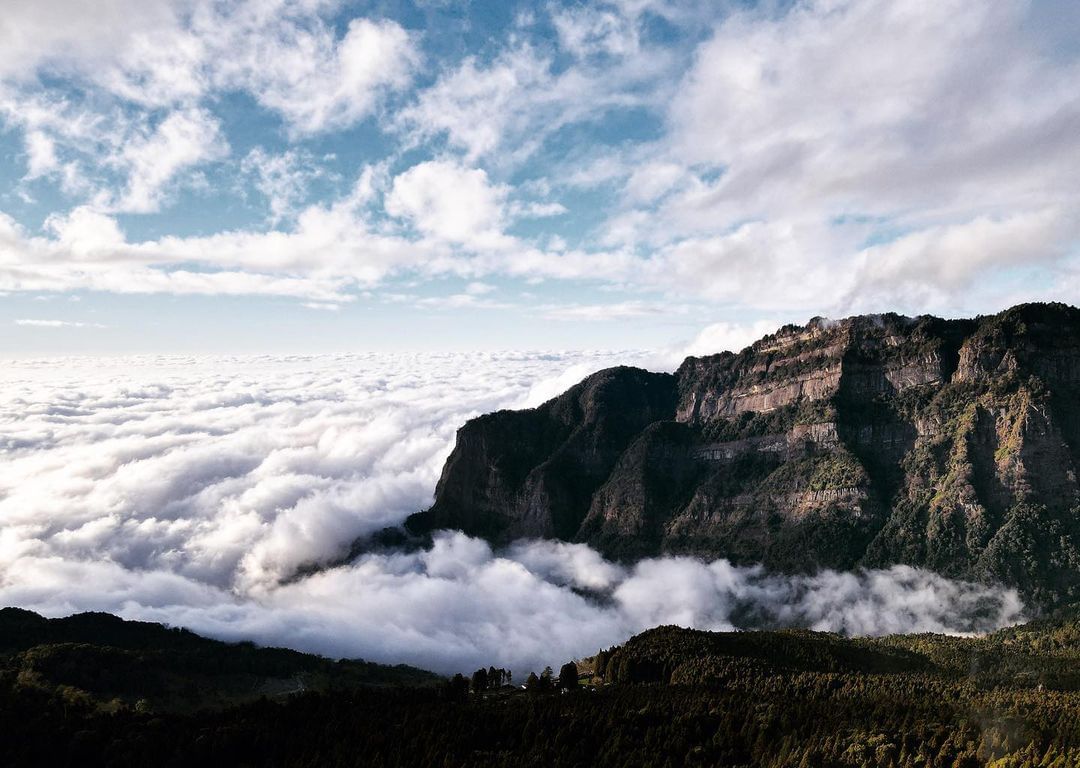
(861, 442)
(105, 662)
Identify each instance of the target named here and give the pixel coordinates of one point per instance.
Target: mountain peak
(863, 441)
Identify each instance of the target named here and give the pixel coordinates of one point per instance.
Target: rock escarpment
(949, 444)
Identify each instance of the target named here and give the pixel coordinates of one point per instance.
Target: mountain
(867, 441)
(102, 661)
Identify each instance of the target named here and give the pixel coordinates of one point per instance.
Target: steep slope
(534, 472)
(950, 444)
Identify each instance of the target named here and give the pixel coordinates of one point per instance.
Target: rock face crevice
(949, 444)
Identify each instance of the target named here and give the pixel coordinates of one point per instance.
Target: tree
(568, 676)
(480, 680)
(456, 687)
(601, 663)
(547, 679)
(532, 683)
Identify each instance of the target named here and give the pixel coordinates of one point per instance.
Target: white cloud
(65, 34)
(477, 288)
(182, 140)
(160, 53)
(450, 202)
(537, 210)
(326, 254)
(728, 337)
(41, 155)
(505, 109)
(316, 82)
(594, 30)
(118, 161)
(796, 143)
(783, 265)
(620, 310)
(652, 181)
(191, 490)
(114, 101)
(328, 251)
(282, 178)
(461, 301)
(821, 156)
(476, 106)
(316, 450)
(871, 108)
(33, 323)
(927, 267)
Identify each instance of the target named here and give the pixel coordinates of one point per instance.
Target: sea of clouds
(200, 491)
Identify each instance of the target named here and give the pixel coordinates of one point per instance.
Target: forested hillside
(99, 662)
(668, 697)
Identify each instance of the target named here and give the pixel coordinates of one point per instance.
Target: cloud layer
(818, 156)
(199, 492)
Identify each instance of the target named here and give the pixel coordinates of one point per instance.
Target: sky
(278, 177)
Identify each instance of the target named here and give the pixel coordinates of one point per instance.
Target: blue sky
(276, 176)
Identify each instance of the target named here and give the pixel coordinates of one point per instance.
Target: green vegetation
(668, 697)
(775, 422)
(113, 665)
(835, 470)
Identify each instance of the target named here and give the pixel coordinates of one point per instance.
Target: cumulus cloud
(327, 251)
(117, 102)
(61, 33)
(159, 53)
(182, 140)
(873, 106)
(505, 109)
(200, 492)
(845, 180)
(450, 202)
(766, 157)
(40, 155)
(301, 70)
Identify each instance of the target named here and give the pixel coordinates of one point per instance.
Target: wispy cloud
(34, 323)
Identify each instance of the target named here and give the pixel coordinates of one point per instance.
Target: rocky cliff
(950, 444)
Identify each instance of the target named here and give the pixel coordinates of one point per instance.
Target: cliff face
(533, 473)
(951, 444)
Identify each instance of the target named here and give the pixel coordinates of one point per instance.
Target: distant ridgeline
(948, 444)
(102, 661)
